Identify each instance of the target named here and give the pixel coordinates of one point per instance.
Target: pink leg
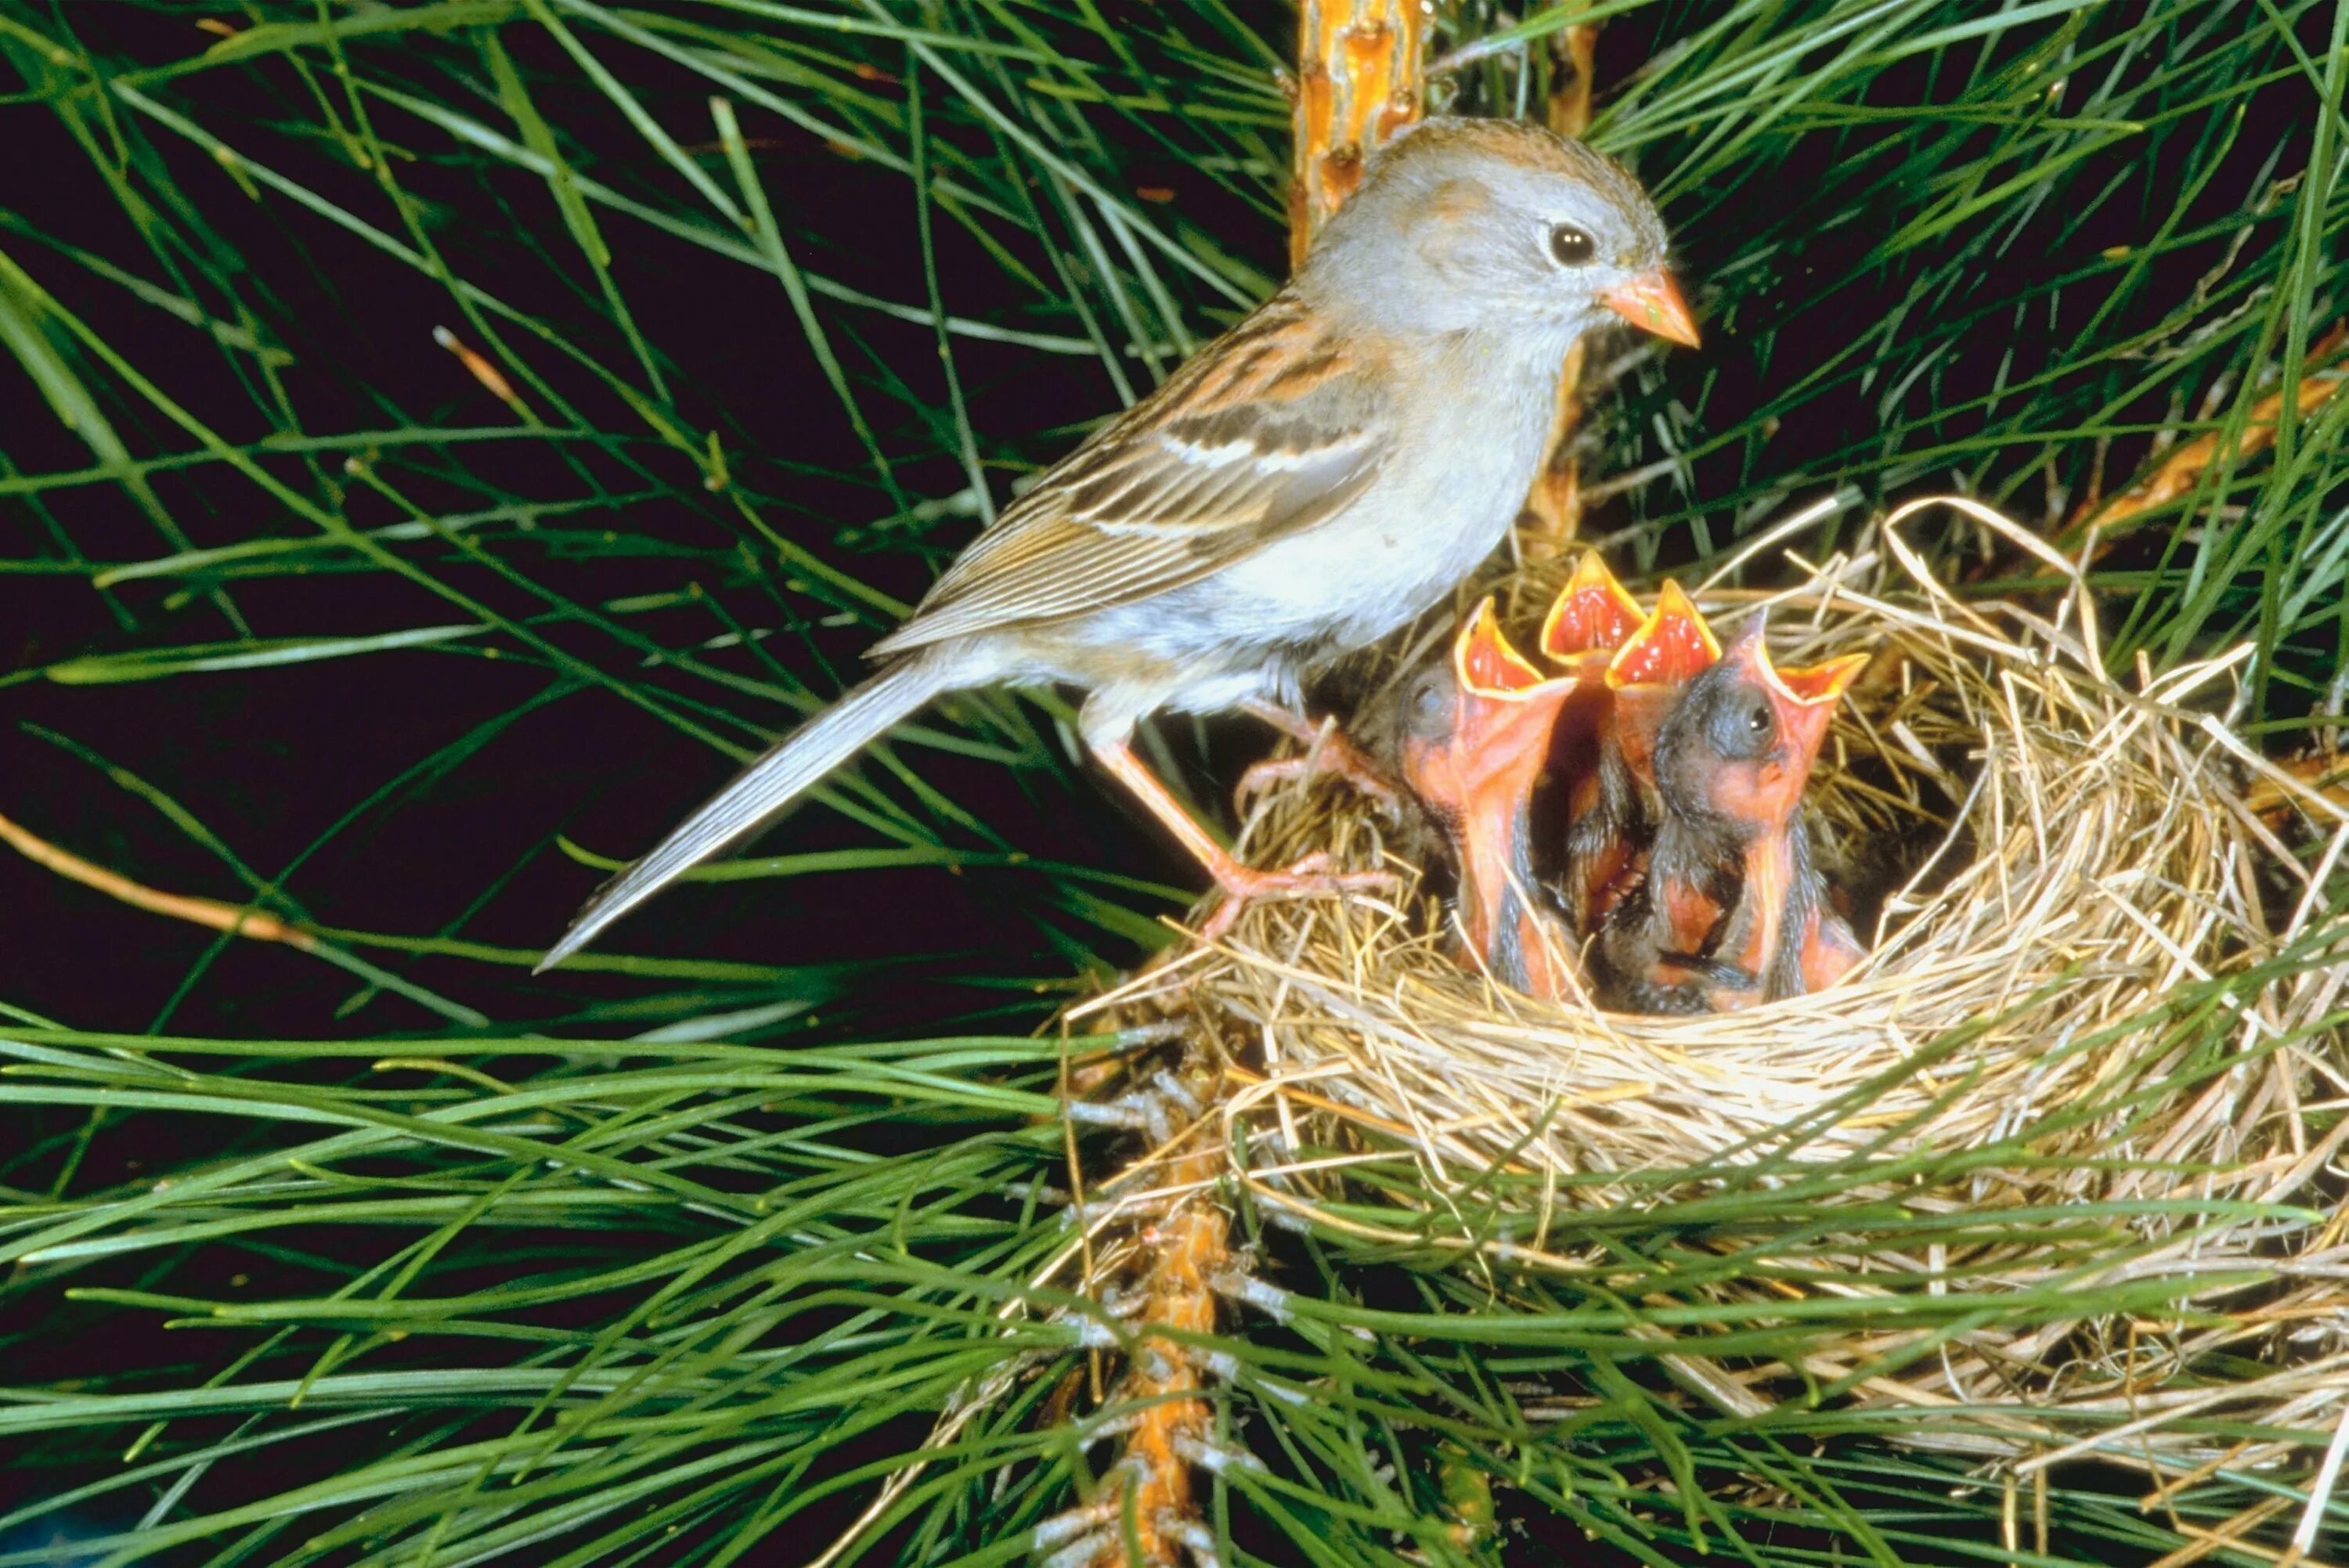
(1328, 749)
(1240, 883)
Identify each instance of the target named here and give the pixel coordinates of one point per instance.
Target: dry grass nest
(2087, 913)
(2078, 849)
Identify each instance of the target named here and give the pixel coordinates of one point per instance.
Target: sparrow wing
(1266, 432)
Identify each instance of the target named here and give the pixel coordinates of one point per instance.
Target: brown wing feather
(1264, 433)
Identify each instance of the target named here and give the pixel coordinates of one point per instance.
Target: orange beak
(1593, 614)
(1484, 660)
(1671, 647)
(1500, 738)
(1502, 708)
(1804, 697)
(1653, 303)
(1821, 684)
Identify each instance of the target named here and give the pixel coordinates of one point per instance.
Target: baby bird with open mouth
(1613, 820)
(1731, 905)
(1470, 737)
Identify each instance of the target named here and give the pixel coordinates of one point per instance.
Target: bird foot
(1244, 885)
(1331, 754)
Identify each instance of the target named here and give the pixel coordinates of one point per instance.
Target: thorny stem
(1187, 1247)
(1147, 1514)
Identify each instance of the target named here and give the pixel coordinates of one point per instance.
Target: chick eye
(1757, 718)
(1571, 245)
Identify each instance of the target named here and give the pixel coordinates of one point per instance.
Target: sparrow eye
(1757, 718)
(1571, 245)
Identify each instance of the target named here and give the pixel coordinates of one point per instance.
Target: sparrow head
(1738, 746)
(1667, 650)
(1591, 617)
(1475, 729)
(1494, 226)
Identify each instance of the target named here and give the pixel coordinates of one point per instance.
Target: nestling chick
(1591, 617)
(1720, 919)
(1614, 821)
(1830, 948)
(1470, 737)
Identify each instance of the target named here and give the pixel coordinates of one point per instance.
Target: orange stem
(1361, 75)
(1187, 1247)
(231, 918)
(2184, 465)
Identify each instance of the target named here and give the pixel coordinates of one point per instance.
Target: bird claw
(1335, 755)
(1244, 885)
(1263, 777)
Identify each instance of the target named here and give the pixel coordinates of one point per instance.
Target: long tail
(765, 788)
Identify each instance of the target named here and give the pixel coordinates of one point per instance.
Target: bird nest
(2076, 849)
(2088, 982)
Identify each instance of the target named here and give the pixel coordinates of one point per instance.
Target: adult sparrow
(1310, 481)
(1469, 734)
(1720, 919)
(1612, 821)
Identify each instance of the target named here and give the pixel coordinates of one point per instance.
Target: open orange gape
(1671, 871)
